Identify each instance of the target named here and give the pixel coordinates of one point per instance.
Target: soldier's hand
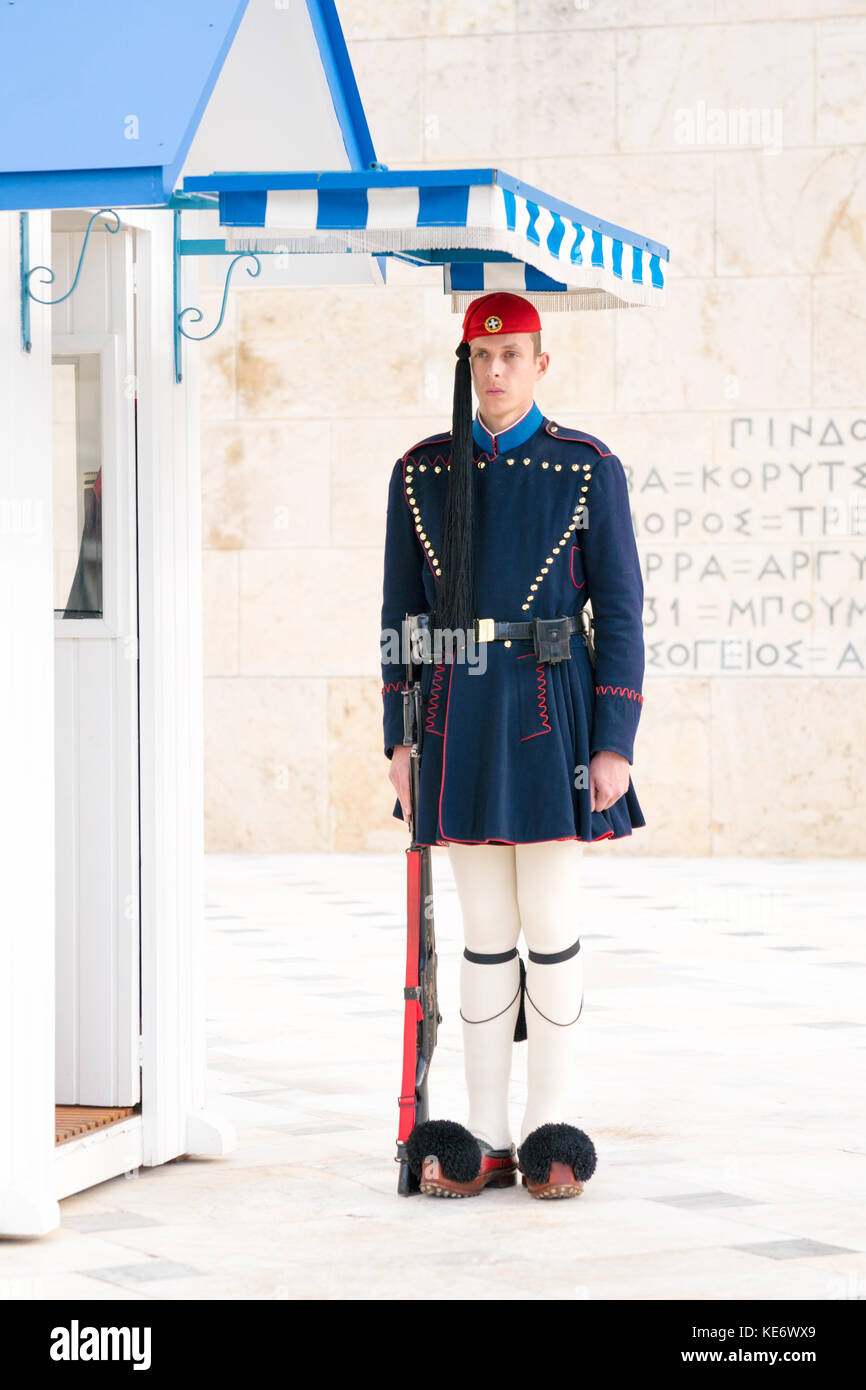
(608, 778)
(398, 775)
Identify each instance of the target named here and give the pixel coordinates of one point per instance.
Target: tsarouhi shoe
(556, 1160)
(449, 1161)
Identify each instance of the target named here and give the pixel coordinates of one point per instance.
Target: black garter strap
(500, 958)
(555, 958)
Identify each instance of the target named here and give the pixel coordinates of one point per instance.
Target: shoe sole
(435, 1185)
(561, 1182)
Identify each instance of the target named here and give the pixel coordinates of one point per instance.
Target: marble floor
(722, 1081)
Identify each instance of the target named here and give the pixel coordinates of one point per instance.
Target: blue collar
(511, 438)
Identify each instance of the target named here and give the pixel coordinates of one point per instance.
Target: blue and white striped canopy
(487, 230)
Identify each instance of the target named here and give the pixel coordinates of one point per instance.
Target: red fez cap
(499, 312)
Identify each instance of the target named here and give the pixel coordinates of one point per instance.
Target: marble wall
(734, 131)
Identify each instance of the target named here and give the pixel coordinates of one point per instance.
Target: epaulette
(425, 451)
(580, 436)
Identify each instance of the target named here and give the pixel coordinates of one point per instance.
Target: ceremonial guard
(498, 533)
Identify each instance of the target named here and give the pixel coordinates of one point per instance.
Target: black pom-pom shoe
(556, 1160)
(449, 1161)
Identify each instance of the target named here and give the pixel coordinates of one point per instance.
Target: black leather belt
(492, 630)
(551, 637)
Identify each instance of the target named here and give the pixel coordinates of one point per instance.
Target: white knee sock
(554, 1000)
(489, 1004)
(489, 989)
(548, 879)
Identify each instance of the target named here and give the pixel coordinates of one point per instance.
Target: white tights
(503, 889)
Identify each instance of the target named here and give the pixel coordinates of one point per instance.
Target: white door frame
(96, 757)
(174, 1114)
(28, 1203)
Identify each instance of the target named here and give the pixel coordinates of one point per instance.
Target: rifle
(421, 1016)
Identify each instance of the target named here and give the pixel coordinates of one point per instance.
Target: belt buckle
(484, 629)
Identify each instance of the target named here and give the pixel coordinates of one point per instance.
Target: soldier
(501, 530)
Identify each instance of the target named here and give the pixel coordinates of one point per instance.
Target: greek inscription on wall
(754, 560)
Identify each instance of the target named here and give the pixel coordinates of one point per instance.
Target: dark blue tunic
(506, 753)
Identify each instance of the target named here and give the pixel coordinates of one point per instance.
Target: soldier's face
(504, 373)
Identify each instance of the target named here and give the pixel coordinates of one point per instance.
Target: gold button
(509, 462)
(574, 467)
(508, 639)
(533, 587)
(550, 559)
(554, 428)
(423, 535)
(545, 464)
(526, 460)
(557, 467)
(481, 465)
(524, 605)
(409, 467)
(438, 468)
(544, 569)
(422, 467)
(556, 550)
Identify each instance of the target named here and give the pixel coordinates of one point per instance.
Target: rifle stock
(421, 1010)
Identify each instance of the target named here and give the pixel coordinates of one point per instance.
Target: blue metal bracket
(193, 248)
(27, 270)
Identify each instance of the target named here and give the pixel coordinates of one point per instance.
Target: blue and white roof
(489, 231)
(109, 105)
(99, 101)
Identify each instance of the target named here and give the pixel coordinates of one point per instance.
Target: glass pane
(77, 486)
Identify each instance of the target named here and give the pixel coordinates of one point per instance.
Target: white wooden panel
(66, 857)
(27, 1199)
(171, 694)
(97, 727)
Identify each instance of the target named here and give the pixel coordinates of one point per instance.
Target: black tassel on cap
(455, 605)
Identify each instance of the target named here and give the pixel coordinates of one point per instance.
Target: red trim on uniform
(572, 438)
(557, 839)
(433, 699)
(618, 690)
(541, 698)
(434, 439)
(445, 747)
(573, 580)
(392, 685)
(432, 462)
